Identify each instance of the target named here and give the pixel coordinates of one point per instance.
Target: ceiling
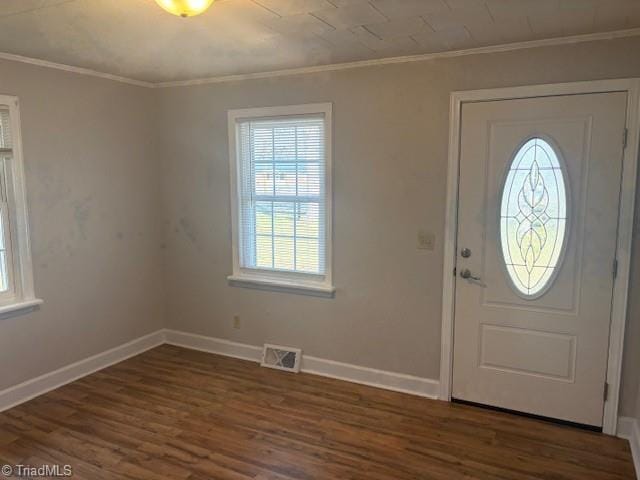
(138, 40)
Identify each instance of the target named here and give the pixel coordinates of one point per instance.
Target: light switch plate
(426, 240)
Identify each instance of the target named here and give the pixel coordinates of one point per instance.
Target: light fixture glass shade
(185, 8)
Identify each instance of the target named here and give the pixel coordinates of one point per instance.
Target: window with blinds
(6, 151)
(281, 215)
(282, 207)
(16, 273)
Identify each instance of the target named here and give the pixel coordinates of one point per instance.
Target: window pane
(264, 218)
(285, 143)
(5, 130)
(264, 251)
(262, 144)
(307, 255)
(283, 218)
(4, 274)
(310, 143)
(283, 253)
(285, 179)
(263, 178)
(3, 214)
(309, 179)
(4, 281)
(308, 220)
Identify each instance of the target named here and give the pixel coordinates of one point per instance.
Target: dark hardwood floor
(172, 413)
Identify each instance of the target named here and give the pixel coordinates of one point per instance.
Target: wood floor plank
(178, 414)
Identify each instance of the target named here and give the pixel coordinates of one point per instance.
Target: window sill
(278, 285)
(19, 308)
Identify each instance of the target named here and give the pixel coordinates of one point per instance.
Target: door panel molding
(625, 222)
(544, 365)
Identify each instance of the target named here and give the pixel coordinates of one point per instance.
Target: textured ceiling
(136, 39)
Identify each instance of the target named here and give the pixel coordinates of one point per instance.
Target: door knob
(466, 274)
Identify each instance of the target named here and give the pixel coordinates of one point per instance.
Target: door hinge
(455, 270)
(605, 393)
(625, 136)
(615, 268)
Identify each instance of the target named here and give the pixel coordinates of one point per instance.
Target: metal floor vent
(281, 358)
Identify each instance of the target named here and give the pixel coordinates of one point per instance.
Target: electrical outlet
(426, 240)
(236, 321)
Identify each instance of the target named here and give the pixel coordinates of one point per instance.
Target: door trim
(625, 222)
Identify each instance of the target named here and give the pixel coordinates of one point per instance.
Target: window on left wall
(16, 272)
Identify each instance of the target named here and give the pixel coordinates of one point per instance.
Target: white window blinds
(6, 151)
(282, 206)
(5, 130)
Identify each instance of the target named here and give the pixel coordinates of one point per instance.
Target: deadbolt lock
(465, 252)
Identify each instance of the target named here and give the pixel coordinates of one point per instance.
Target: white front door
(538, 212)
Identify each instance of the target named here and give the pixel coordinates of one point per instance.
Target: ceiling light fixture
(185, 8)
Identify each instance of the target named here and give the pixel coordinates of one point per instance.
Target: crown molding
(72, 69)
(508, 47)
(590, 37)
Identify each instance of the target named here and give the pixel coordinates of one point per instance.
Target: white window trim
(317, 285)
(24, 299)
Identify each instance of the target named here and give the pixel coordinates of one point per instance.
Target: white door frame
(625, 223)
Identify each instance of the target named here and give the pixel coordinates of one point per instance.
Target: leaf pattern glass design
(533, 218)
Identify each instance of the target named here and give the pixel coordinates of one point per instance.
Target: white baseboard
(629, 428)
(12, 396)
(203, 343)
(398, 382)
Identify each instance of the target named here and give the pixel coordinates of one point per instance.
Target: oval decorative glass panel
(533, 218)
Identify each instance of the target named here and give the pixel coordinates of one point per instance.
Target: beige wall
(93, 193)
(102, 210)
(390, 160)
